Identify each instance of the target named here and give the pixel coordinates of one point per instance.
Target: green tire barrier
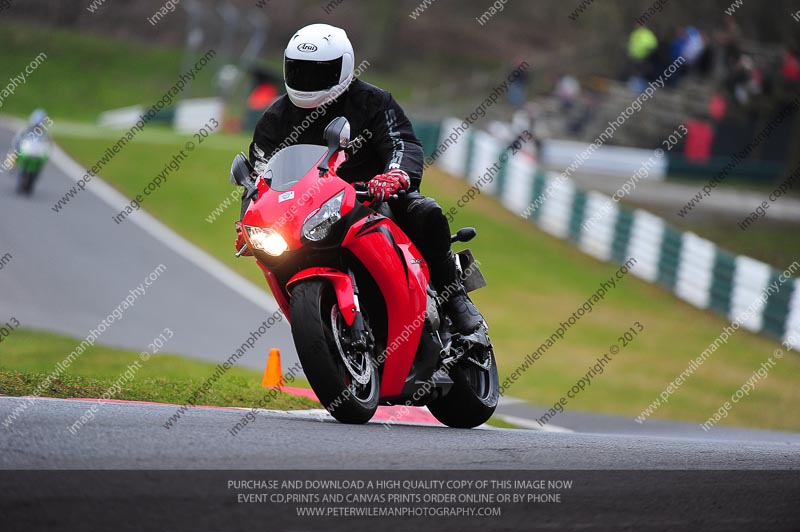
(748, 292)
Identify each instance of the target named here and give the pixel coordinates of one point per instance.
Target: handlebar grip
(366, 195)
(400, 194)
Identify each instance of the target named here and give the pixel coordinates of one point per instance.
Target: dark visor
(312, 76)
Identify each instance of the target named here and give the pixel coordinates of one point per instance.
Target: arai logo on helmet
(307, 47)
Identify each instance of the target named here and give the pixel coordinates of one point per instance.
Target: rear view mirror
(337, 135)
(241, 170)
(242, 174)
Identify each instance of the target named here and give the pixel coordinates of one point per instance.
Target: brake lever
(241, 251)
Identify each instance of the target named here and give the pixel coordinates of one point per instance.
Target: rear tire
(313, 308)
(473, 398)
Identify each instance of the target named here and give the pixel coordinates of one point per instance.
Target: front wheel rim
(360, 376)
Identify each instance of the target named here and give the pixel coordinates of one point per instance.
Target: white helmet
(317, 65)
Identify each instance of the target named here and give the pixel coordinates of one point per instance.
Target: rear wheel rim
(478, 377)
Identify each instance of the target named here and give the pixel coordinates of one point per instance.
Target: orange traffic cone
(273, 375)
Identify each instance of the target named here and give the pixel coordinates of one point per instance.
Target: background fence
(695, 269)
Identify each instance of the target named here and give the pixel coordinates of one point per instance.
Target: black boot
(465, 316)
(422, 219)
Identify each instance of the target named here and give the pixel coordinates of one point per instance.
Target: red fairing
(286, 211)
(386, 252)
(342, 285)
(277, 291)
(402, 276)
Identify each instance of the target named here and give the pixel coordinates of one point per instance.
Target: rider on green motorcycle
(30, 150)
(37, 127)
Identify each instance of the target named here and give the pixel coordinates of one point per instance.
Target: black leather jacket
(382, 134)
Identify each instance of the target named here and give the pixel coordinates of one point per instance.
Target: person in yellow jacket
(641, 44)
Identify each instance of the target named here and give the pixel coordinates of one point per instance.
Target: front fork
(346, 289)
(360, 336)
(356, 340)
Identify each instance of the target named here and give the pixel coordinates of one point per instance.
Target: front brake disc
(361, 372)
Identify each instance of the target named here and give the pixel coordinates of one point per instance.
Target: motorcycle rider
(35, 129)
(319, 77)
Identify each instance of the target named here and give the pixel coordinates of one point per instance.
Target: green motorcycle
(33, 155)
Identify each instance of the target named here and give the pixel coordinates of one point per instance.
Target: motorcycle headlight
(318, 225)
(266, 240)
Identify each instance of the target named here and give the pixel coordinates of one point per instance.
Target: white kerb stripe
(696, 270)
(486, 153)
(557, 207)
(518, 187)
(749, 281)
(647, 232)
(600, 219)
(792, 334)
(453, 160)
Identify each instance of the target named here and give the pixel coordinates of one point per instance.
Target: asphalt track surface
(71, 269)
(623, 482)
(525, 415)
(125, 435)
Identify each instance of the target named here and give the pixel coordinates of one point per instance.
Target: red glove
(240, 241)
(382, 186)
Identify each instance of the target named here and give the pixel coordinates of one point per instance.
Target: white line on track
(530, 424)
(506, 400)
(165, 235)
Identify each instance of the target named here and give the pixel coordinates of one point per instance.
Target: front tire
(317, 329)
(473, 398)
(22, 182)
(25, 182)
(29, 183)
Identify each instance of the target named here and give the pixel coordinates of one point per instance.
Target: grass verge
(30, 356)
(113, 73)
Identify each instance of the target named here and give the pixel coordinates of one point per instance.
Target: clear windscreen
(287, 167)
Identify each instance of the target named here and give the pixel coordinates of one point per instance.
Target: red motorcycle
(366, 322)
